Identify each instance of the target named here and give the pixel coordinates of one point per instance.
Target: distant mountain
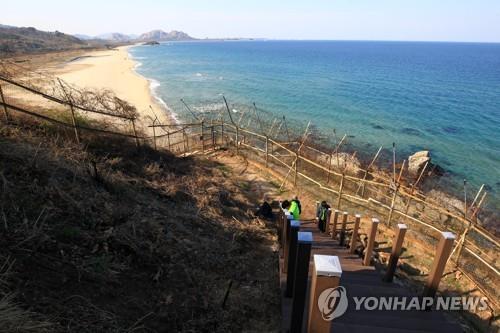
(15, 40)
(83, 37)
(160, 35)
(115, 37)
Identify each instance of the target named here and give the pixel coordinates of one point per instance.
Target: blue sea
(444, 97)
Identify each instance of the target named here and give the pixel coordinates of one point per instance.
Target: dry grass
(106, 238)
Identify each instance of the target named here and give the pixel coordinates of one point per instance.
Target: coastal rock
(341, 160)
(417, 161)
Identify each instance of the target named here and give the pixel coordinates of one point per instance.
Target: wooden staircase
(365, 281)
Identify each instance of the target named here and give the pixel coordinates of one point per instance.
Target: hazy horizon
(385, 20)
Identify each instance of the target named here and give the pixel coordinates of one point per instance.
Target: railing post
(5, 111)
(292, 257)
(442, 254)
(396, 251)
(286, 240)
(354, 237)
(371, 242)
(343, 228)
(341, 188)
(304, 243)
(325, 278)
(334, 224)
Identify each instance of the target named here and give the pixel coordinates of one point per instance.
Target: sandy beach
(114, 70)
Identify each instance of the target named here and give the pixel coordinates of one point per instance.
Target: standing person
(295, 208)
(265, 209)
(322, 215)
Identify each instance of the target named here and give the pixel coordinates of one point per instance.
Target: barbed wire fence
(300, 154)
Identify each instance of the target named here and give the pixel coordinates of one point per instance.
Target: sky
(410, 20)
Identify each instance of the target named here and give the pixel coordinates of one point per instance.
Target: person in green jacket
(295, 208)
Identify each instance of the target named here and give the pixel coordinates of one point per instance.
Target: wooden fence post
(73, 118)
(135, 133)
(304, 243)
(168, 140)
(237, 140)
(296, 169)
(341, 187)
(343, 228)
(442, 254)
(396, 251)
(222, 133)
(334, 224)
(154, 135)
(326, 274)
(371, 242)
(397, 183)
(354, 237)
(267, 150)
(5, 111)
(292, 257)
(202, 138)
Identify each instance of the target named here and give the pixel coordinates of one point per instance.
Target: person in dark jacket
(265, 210)
(322, 216)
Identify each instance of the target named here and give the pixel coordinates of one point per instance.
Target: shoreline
(115, 70)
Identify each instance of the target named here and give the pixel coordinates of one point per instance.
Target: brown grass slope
(106, 238)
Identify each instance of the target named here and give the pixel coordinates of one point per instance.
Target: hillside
(159, 35)
(15, 40)
(106, 238)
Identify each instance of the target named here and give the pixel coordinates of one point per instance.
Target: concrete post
(354, 236)
(304, 243)
(292, 252)
(442, 254)
(396, 251)
(326, 275)
(343, 228)
(371, 242)
(334, 225)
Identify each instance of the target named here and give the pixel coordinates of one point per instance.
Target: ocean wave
(153, 87)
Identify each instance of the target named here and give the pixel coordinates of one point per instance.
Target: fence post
(202, 138)
(343, 228)
(222, 133)
(442, 253)
(354, 237)
(324, 279)
(135, 132)
(334, 225)
(154, 134)
(304, 243)
(75, 126)
(267, 150)
(168, 140)
(5, 111)
(396, 251)
(296, 169)
(393, 201)
(341, 187)
(237, 140)
(292, 257)
(371, 242)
